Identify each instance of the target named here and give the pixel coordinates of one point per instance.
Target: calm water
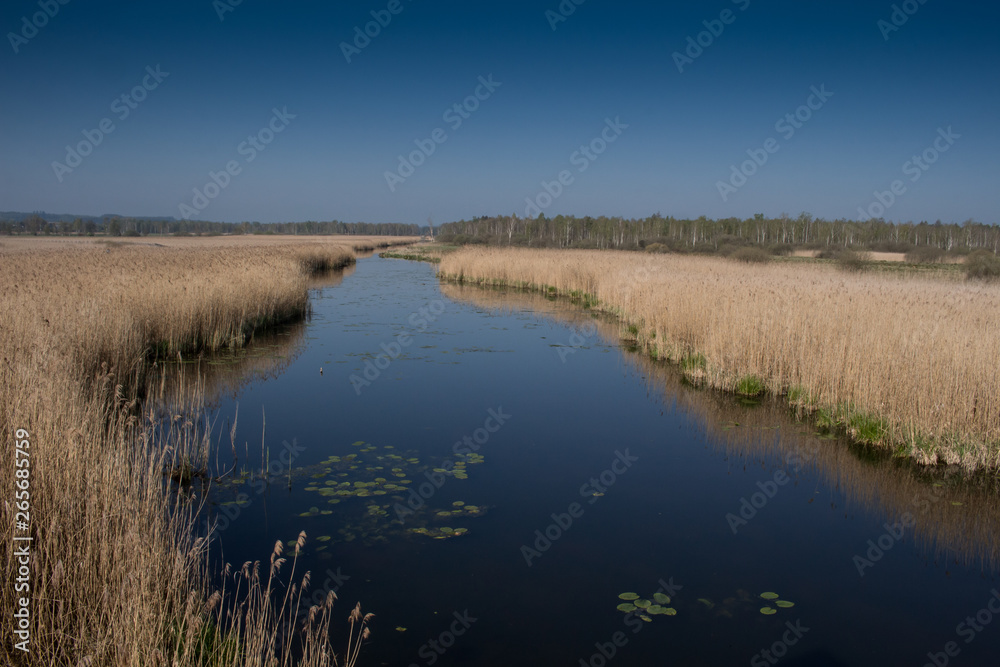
(576, 407)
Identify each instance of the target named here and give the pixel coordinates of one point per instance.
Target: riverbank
(903, 363)
(114, 574)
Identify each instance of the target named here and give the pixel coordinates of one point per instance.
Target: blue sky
(557, 87)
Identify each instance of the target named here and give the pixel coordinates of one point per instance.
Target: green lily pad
(784, 604)
(670, 611)
(769, 596)
(643, 604)
(705, 601)
(646, 618)
(768, 611)
(656, 609)
(626, 607)
(660, 598)
(628, 596)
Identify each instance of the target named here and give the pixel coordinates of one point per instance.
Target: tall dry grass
(116, 577)
(770, 432)
(904, 362)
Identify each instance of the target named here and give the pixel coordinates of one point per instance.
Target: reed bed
(116, 576)
(903, 362)
(766, 435)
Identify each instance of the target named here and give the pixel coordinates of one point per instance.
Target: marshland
(237, 441)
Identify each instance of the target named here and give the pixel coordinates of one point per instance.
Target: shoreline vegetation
(894, 360)
(958, 513)
(116, 573)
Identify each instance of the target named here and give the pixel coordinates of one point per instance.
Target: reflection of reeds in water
(909, 363)
(955, 517)
(227, 372)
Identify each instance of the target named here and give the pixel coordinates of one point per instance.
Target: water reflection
(183, 384)
(955, 518)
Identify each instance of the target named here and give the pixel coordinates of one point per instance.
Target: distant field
(11, 244)
(902, 359)
(881, 256)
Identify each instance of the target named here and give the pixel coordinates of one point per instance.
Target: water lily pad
(768, 611)
(646, 618)
(627, 607)
(643, 603)
(656, 609)
(769, 596)
(458, 503)
(400, 628)
(670, 611)
(629, 596)
(784, 604)
(661, 598)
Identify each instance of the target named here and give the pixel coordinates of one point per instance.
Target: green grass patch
(750, 385)
(693, 362)
(868, 429)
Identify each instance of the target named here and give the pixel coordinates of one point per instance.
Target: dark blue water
(670, 465)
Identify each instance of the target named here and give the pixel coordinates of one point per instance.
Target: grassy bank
(901, 362)
(421, 252)
(115, 575)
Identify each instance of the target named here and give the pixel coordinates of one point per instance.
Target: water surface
(574, 405)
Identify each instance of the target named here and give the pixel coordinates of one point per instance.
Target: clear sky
(888, 95)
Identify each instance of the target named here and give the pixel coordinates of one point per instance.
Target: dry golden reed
(912, 359)
(116, 576)
(770, 432)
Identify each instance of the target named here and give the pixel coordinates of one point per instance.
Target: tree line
(129, 226)
(707, 235)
